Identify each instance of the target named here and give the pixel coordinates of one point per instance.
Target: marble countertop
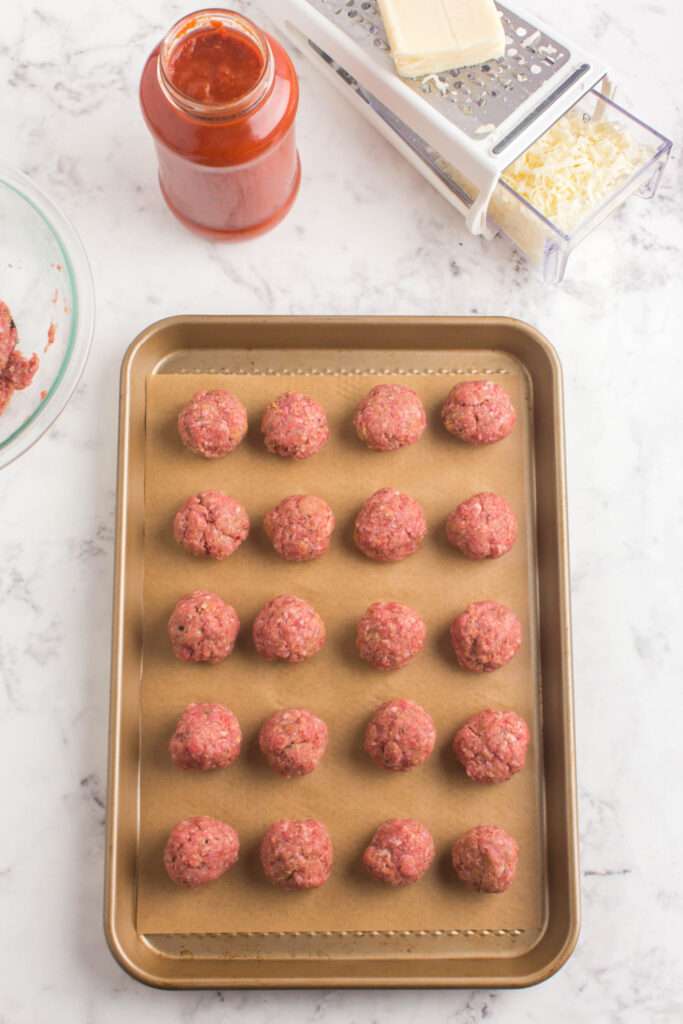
(366, 236)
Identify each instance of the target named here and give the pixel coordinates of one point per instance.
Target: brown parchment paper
(347, 792)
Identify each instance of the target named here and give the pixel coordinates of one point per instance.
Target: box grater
(461, 129)
(476, 119)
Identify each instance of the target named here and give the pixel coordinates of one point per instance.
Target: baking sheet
(348, 792)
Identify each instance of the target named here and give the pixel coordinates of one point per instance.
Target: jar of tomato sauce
(220, 99)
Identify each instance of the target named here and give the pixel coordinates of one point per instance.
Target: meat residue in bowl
(51, 335)
(16, 371)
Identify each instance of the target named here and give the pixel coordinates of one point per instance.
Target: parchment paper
(348, 792)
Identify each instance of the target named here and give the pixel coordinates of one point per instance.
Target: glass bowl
(46, 281)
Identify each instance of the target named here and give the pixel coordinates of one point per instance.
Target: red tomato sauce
(215, 65)
(220, 99)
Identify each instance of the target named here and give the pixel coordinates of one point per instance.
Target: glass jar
(220, 98)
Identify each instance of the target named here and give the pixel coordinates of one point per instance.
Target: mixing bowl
(45, 280)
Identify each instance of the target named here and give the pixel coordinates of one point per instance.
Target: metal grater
(476, 100)
(461, 128)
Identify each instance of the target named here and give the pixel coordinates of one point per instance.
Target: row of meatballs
(491, 745)
(390, 526)
(298, 855)
(391, 416)
(203, 628)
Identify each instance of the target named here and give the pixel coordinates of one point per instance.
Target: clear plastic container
(546, 244)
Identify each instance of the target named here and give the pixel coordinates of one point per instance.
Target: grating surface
(479, 99)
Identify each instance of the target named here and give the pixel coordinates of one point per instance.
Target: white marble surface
(367, 236)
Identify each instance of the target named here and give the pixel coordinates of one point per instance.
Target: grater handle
(476, 216)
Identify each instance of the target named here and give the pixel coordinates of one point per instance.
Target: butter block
(430, 36)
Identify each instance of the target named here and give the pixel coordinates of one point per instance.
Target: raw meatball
(390, 634)
(20, 371)
(293, 741)
(200, 850)
(478, 412)
(288, 629)
(485, 858)
(211, 524)
(484, 526)
(491, 745)
(295, 426)
(213, 423)
(8, 334)
(390, 526)
(391, 416)
(203, 628)
(400, 735)
(485, 636)
(400, 852)
(300, 527)
(207, 736)
(297, 854)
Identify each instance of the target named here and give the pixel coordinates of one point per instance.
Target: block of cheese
(430, 36)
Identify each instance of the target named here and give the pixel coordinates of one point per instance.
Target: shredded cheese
(574, 167)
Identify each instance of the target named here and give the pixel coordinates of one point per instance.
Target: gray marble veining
(366, 236)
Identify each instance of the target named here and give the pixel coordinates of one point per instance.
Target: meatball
(300, 527)
(478, 412)
(8, 335)
(391, 416)
(491, 745)
(207, 736)
(400, 852)
(390, 526)
(297, 854)
(484, 526)
(485, 858)
(295, 426)
(400, 735)
(289, 629)
(211, 524)
(293, 742)
(485, 636)
(213, 423)
(390, 634)
(203, 627)
(200, 850)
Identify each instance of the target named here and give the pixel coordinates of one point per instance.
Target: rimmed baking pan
(352, 932)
